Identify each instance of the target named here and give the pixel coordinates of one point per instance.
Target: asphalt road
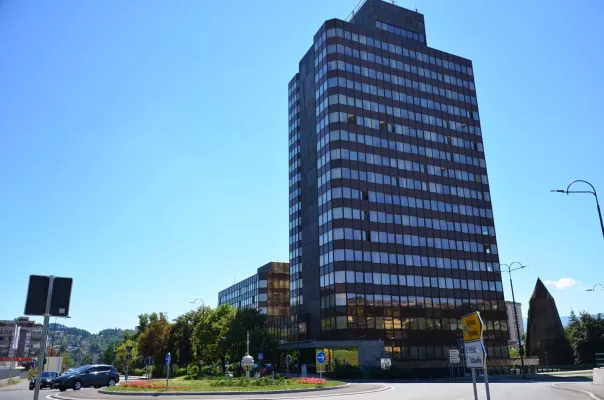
(396, 391)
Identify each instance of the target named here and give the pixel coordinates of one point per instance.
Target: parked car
(45, 381)
(88, 376)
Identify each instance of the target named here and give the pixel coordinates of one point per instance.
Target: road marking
(590, 394)
(59, 396)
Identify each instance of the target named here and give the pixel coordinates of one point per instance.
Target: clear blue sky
(143, 144)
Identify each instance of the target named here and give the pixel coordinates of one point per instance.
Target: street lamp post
(593, 289)
(520, 344)
(593, 191)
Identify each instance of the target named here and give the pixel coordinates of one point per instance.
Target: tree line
(205, 336)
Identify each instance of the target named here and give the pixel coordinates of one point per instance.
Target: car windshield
(48, 374)
(77, 370)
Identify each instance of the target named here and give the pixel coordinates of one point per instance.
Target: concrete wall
(598, 376)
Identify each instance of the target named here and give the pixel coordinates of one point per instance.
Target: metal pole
(486, 383)
(474, 383)
(42, 354)
(600, 215)
(520, 345)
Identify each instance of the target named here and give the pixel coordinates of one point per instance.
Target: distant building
(267, 290)
(24, 343)
(509, 308)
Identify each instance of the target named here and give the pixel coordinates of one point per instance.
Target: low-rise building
(20, 338)
(267, 290)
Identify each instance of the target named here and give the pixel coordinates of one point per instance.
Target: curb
(217, 393)
(590, 394)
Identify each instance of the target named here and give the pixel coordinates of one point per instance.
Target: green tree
(181, 336)
(586, 336)
(120, 362)
(155, 339)
(108, 355)
(67, 361)
(212, 335)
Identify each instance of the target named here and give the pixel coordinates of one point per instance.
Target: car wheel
(77, 385)
(111, 382)
(62, 389)
(31, 388)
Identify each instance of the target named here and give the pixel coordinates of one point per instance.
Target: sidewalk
(597, 390)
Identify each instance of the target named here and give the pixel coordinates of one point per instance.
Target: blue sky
(143, 144)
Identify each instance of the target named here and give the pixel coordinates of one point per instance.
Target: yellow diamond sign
(472, 326)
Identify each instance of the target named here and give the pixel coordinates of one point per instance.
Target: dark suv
(88, 376)
(45, 381)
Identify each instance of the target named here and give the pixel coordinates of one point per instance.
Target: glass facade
(267, 291)
(389, 186)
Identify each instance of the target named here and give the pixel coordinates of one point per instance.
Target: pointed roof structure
(545, 334)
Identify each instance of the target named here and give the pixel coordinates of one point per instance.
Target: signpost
(288, 360)
(128, 358)
(476, 356)
(321, 359)
(47, 296)
(168, 359)
(149, 365)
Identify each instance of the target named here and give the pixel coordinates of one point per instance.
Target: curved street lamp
(510, 269)
(592, 191)
(593, 289)
(203, 304)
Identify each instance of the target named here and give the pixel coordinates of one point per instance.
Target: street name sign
(475, 354)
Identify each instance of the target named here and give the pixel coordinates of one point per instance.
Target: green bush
(192, 370)
(32, 372)
(138, 371)
(180, 372)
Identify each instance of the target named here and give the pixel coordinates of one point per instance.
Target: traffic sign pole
(476, 355)
(168, 359)
(321, 360)
(474, 383)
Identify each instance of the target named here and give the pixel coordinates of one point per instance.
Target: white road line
(590, 394)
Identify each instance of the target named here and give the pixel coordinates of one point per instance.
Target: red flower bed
(154, 384)
(311, 381)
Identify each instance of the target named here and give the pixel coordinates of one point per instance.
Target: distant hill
(75, 338)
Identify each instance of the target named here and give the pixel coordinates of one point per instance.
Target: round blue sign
(321, 357)
(168, 358)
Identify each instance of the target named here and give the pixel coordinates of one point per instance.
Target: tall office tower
(392, 236)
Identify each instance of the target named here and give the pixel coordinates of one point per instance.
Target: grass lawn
(11, 381)
(221, 385)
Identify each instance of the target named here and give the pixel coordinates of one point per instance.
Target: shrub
(139, 371)
(180, 372)
(32, 372)
(192, 370)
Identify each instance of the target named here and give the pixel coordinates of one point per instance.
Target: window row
(355, 301)
(388, 62)
(344, 135)
(400, 239)
(403, 201)
(400, 31)
(399, 96)
(401, 51)
(391, 126)
(410, 260)
(407, 324)
(424, 87)
(404, 147)
(377, 278)
(405, 220)
(405, 183)
(405, 165)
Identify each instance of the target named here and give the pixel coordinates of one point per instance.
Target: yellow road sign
(472, 326)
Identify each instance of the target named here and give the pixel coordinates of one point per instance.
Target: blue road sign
(168, 358)
(260, 356)
(35, 363)
(320, 357)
